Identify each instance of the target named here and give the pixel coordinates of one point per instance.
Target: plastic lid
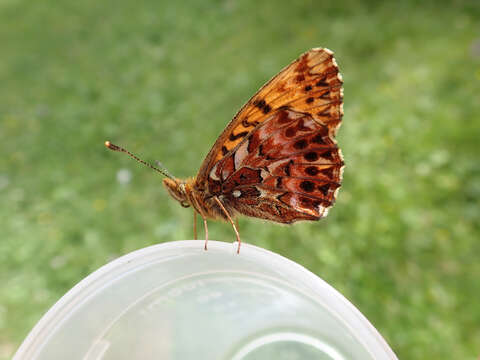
(177, 301)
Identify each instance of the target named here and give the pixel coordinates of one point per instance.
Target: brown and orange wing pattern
(311, 84)
(288, 168)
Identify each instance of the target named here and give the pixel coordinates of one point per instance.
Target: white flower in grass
(124, 176)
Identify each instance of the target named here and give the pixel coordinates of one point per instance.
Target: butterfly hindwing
(287, 169)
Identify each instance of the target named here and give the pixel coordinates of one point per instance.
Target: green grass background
(164, 77)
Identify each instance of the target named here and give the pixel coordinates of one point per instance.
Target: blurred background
(163, 78)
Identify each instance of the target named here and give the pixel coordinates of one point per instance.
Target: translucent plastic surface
(177, 301)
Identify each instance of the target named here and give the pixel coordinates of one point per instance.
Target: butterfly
(277, 159)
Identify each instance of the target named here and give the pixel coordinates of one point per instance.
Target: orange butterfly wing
(278, 159)
(311, 84)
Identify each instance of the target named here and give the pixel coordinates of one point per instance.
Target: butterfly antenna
(162, 170)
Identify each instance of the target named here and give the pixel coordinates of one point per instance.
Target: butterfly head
(178, 190)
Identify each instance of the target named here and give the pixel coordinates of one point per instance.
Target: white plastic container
(177, 301)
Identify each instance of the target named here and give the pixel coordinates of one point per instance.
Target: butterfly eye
(185, 204)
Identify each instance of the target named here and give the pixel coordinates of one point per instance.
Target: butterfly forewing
(310, 84)
(278, 158)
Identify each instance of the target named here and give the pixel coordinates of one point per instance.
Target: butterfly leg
(231, 222)
(206, 232)
(194, 225)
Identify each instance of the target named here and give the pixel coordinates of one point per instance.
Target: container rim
(330, 297)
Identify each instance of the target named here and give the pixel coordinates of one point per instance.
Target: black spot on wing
(300, 144)
(234, 137)
(312, 170)
(279, 182)
(307, 186)
(262, 105)
(311, 156)
(322, 82)
(324, 189)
